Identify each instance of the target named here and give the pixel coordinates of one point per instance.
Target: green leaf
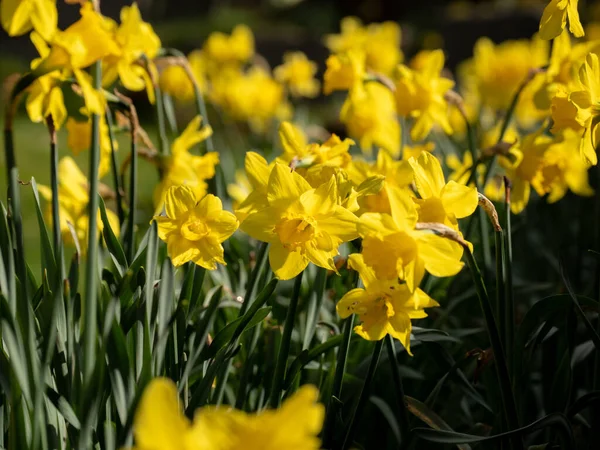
(112, 242)
(557, 420)
(48, 257)
(63, 406)
(422, 411)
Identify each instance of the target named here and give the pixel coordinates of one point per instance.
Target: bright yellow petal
(180, 250)
(441, 256)
(284, 263)
(376, 224)
(261, 225)
(159, 422)
(285, 186)
(400, 329)
(356, 262)
(553, 21)
(319, 257)
(44, 18)
(519, 195)
(574, 23)
(179, 200)
(429, 177)
(257, 170)
(16, 16)
(459, 200)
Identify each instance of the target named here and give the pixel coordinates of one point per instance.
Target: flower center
(194, 230)
(293, 232)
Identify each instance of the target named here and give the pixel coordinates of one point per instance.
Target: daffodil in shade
(134, 38)
(369, 114)
(183, 168)
(79, 138)
(554, 19)
(297, 73)
(579, 108)
(159, 423)
(302, 224)
(20, 16)
(420, 95)
(461, 173)
(561, 170)
(73, 198)
(522, 165)
(440, 202)
(194, 230)
(393, 248)
(383, 306)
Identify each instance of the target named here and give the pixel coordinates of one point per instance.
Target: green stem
(397, 377)
(91, 275)
(130, 231)
(364, 395)
(261, 259)
(314, 306)
(403, 137)
(56, 235)
(509, 296)
(336, 390)
(114, 168)
(500, 288)
(284, 347)
(508, 400)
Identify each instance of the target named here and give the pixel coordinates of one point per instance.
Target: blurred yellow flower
(159, 423)
(562, 170)
(420, 95)
(379, 41)
(302, 224)
(344, 71)
(240, 190)
(194, 229)
(73, 200)
(235, 49)
(183, 168)
(79, 138)
(20, 16)
(369, 114)
(440, 202)
(383, 306)
(394, 249)
(578, 109)
(555, 18)
(135, 38)
(175, 81)
(252, 96)
(497, 71)
(413, 151)
(298, 73)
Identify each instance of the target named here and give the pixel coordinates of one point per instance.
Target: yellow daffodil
(522, 165)
(440, 202)
(302, 224)
(252, 96)
(420, 94)
(398, 175)
(79, 138)
(333, 152)
(183, 168)
(135, 38)
(561, 170)
(379, 41)
(20, 16)
(393, 248)
(369, 114)
(555, 18)
(461, 172)
(579, 108)
(413, 151)
(298, 73)
(235, 49)
(239, 190)
(258, 172)
(496, 71)
(175, 81)
(344, 71)
(383, 306)
(159, 423)
(73, 198)
(194, 229)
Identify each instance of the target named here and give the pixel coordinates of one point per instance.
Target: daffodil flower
(384, 306)
(440, 202)
(344, 70)
(159, 423)
(420, 94)
(555, 18)
(79, 138)
(301, 223)
(393, 248)
(20, 16)
(235, 49)
(194, 230)
(298, 73)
